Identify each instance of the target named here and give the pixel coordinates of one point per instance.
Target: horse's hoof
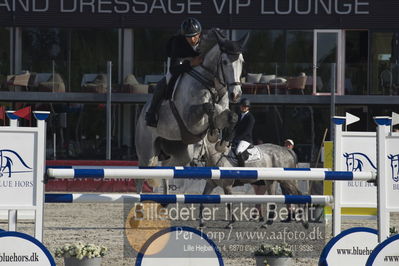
(213, 136)
(264, 226)
(305, 225)
(201, 225)
(287, 220)
(219, 147)
(269, 222)
(229, 226)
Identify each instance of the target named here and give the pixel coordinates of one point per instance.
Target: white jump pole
(12, 214)
(210, 173)
(337, 219)
(185, 198)
(383, 129)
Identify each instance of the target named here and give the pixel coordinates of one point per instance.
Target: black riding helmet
(245, 102)
(190, 27)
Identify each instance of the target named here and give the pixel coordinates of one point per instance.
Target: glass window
(79, 131)
(150, 51)
(356, 57)
(44, 51)
(384, 63)
(265, 51)
(304, 124)
(70, 53)
(90, 51)
(299, 53)
(4, 56)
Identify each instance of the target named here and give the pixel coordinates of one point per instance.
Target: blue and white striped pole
(212, 173)
(119, 198)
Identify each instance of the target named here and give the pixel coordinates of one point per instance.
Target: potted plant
(80, 254)
(393, 231)
(273, 255)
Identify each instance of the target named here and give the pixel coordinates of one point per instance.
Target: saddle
(251, 154)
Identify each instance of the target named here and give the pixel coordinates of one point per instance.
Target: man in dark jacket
(183, 55)
(243, 132)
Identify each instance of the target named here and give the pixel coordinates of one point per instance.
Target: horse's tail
(293, 154)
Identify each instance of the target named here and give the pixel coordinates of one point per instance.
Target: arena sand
(104, 223)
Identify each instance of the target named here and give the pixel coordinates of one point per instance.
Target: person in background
(289, 143)
(243, 132)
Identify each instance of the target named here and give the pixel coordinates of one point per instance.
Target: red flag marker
(2, 113)
(24, 113)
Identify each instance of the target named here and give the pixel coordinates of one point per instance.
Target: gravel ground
(105, 224)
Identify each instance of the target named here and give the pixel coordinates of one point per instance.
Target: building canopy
(229, 14)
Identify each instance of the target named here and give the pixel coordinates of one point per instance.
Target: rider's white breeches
(242, 146)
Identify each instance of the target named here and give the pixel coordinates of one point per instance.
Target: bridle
(211, 83)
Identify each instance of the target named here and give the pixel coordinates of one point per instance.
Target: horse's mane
(208, 41)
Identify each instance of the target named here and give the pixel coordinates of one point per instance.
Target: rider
(243, 132)
(183, 55)
(289, 143)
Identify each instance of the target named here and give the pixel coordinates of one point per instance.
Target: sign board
(18, 169)
(233, 14)
(22, 169)
(179, 246)
(392, 171)
(385, 253)
(22, 249)
(357, 153)
(350, 247)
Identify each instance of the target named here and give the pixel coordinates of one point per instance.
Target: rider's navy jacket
(178, 49)
(244, 127)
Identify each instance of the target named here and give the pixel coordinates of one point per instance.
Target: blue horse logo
(355, 161)
(7, 161)
(394, 166)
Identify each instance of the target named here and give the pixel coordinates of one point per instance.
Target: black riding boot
(240, 160)
(151, 117)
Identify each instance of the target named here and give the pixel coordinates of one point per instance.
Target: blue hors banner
(17, 168)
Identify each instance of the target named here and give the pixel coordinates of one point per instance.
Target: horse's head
(350, 161)
(223, 58)
(394, 166)
(231, 61)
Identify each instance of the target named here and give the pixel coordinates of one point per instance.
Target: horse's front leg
(226, 121)
(198, 111)
(209, 187)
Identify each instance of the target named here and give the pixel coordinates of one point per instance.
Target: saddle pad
(254, 155)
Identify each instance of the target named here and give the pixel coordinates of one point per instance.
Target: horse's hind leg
(260, 189)
(289, 187)
(270, 187)
(228, 190)
(209, 187)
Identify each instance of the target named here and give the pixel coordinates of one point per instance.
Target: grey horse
(199, 102)
(270, 155)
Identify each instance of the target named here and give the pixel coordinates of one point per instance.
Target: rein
(209, 83)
